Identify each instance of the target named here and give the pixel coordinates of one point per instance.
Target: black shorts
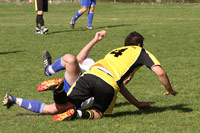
(41, 5)
(88, 86)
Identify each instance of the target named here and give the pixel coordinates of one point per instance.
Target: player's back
(121, 61)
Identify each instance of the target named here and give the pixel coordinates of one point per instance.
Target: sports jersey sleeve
(87, 63)
(149, 59)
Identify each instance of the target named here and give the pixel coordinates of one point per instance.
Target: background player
(41, 6)
(86, 5)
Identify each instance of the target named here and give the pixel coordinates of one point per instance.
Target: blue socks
(77, 15)
(90, 18)
(55, 67)
(34, 106)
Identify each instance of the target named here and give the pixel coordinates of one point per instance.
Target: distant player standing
(41, 6)
(85, 4)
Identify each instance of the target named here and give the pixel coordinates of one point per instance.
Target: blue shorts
(88, 3)
(66, 85)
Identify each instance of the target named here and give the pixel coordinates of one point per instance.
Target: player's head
(134, 38)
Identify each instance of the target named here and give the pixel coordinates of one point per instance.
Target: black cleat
(8, 101)
(47, 61)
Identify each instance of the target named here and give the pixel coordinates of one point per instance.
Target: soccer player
(86, 5)
(72, 72)
(41, 6)
(106, 78)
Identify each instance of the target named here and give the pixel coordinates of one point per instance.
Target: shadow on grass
(32, 114)
(110, 26)
(152, 110)
(121, 104)
(12, 52)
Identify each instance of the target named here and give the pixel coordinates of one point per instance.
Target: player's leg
(41, 6)
(50, 68)
(72, 114)
(72, 69)
(84, 7)
(53, 108)
(77, 15)
(90, 85)
(91, 14)
(32, 105)
(62, 63)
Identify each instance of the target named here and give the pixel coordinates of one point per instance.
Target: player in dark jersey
(106, 78)
(41, 6)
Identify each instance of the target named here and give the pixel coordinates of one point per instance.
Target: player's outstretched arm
(84, 52)
(140, 105)
(164, 79)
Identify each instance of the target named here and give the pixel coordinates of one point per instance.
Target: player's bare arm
(84, 52)
(140, 105)
(164, 79)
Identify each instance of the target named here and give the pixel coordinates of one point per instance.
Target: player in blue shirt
(72, 66)
(86, 5)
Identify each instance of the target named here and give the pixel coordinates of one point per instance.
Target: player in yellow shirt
(106, 78)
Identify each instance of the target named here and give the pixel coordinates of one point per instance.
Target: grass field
(171, 33)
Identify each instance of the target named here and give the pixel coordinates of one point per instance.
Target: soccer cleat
(70, 114)
(90, 27)
(44, 30)
(8, 101)
(72, 23)
(37, 31)
(47, 61)
(54, 84)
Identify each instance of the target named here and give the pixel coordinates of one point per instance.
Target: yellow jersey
(124, 61)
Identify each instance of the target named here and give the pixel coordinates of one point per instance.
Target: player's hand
(144, 105)
(99, 35)
(172, 92)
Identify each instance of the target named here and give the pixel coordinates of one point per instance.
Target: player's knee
(83, 10)
(92, 8)
(68, 58)
(40, 12)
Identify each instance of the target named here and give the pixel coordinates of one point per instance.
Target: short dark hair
(134, 38)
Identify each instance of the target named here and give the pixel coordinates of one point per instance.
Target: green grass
(171, 33)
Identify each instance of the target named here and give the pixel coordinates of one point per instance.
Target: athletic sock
(90, 18)
(42, 21)
(34, 106)
(77, 15)
(55, 67)
(85, 114)
(39, 21)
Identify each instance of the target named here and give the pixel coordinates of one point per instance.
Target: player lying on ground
(105, 98)
(105, 79)
(72, 72)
